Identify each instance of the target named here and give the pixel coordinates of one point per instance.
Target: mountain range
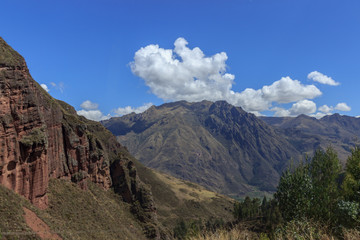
(306, 133)
(216, 145)
(226, 149)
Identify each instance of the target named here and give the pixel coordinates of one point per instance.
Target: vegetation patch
(12, 223)
(315, 200)
(35, 138)
(177, 199)
(72, 214)
(186, 190)
(8, 56)
(92, 214)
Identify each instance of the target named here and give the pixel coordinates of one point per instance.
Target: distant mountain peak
(308, 134)
(214, 144)
(332, 117)
(304, 116)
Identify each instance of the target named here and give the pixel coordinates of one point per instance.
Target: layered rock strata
(43, 138)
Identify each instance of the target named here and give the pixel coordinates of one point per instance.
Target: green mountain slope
(216, 145)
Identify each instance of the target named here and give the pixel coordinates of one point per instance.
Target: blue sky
(84, 50)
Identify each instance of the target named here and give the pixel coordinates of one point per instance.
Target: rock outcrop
(43, 138)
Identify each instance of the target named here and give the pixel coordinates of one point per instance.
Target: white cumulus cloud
(280, 112)
(95, 115)
(326, 109)
(187, 74)
(45, 87)
(322, 78)
(195, 78)
(90, 111)
(88, 105)
(126, 110)
(342, 107)
(301, 107)
(250, 99)
(287, 90)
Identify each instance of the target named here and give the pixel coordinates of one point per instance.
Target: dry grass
(72, 214)
(185, 190)
(351, 234)
(177, 199)
(12, 222)
(295, 230)
(222, 235)
(238, 233)
(91, 214)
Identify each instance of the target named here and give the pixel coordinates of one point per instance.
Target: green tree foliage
(316, 191)
(271, 215)
(311, 190)
(348, 213)
(295, 192)
(349, 210)
(265, 213)
(351, 184)
(247, 209)
(325, 170)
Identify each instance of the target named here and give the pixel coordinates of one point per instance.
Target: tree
(294, 192)
(351, 184)
(348, 211)
(325, 170)
(271, 215)
(247, 209)
(311, 189)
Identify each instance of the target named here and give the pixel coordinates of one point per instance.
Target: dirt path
(38, 226)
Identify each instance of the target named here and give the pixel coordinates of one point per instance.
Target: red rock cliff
(42, 138)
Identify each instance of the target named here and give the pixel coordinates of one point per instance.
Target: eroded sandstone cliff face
(43, 138)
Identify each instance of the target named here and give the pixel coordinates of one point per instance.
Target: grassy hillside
(12, 223)
(177, 199)
(73, 214)
(98, 214)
